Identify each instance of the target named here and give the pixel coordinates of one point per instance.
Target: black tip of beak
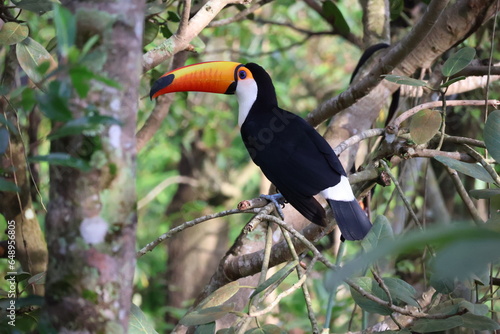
(161, 83)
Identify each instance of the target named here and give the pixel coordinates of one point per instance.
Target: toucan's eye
(242, 74)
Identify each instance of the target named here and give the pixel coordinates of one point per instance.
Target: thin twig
(393, 307)
(285, 293)
(149, 247)
(473, 153)
(393, 127)
(464, 195)
(401, 193)
(357, 138)
(240, 16)
(301, 238)
(305, 289)
(382, 285)
(394, 56)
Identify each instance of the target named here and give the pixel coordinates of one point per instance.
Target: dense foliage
(430, 178)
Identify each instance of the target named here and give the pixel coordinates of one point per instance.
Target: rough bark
(89, 277)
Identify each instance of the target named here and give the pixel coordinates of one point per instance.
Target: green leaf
(219, 296)
(150, 32)
(479, 322)
(266, 329)
(54, 103)
(400, 290)
(492, 135)
(285, 271)
(83, 124)
(396, 8)
(30, 55)
(13, 33)
(62, 159)
(434, 325)
(465, 258)
(476, 309)
(38, 278)
(8, 124)
(229, 330)
(424, 125)
(173, 17)
(452, 81)
(474, 170)
(65, 29)
(458, 61)
(334, 16)
(138, 323)
(36, 6)
(484, 193)
(380, 232)
(438, 236)
(206, 315)
(444, 286)
(404, 80)
(4, 140)
(369, 285)
(8, 186)
(206, 328)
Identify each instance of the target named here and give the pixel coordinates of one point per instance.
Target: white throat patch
(246, 92)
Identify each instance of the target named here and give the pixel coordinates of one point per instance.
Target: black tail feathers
(351, 219)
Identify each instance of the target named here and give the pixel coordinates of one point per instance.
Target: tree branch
(388, 62)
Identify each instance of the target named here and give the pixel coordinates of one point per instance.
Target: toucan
(289, 151)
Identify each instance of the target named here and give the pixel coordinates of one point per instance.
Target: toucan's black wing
(294, 157)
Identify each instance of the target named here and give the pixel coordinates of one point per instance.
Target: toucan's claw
(278, 201)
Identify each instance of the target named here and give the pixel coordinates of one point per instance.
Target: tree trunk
(91, 218)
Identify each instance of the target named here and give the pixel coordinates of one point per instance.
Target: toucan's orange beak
(211, 77)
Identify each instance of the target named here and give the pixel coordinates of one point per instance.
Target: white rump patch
(339, 192)
(246, 92)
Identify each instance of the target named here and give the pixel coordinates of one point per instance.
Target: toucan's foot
(278, 201)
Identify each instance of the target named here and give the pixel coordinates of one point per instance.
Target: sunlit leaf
(220, 295)
(404, 80)
(138, 323)
(424, 125)
(62, 159)
(12, 33)
(434, 325)
(30, 55)
(492, 134)
(474, 170)
(206, 315)
(38, 278)
(458, 61)
(275, 277)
